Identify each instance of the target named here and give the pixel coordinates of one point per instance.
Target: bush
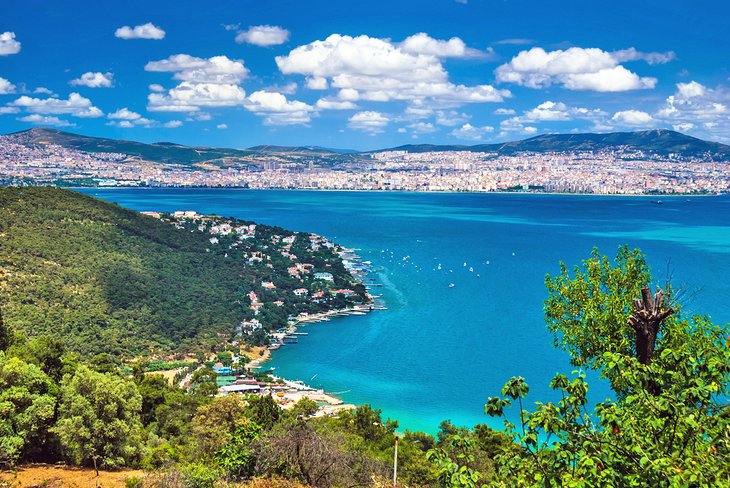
(134, 482)
(200, 476)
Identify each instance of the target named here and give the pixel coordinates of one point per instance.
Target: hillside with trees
(102, 278)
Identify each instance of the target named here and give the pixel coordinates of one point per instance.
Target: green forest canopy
(107, 279)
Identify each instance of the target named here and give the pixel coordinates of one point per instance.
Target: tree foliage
(215, 424)
(99, 419)
(588, 312)
(105, 279)
(669, 423)
(27, 407)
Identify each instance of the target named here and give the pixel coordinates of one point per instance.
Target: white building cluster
(618, 171)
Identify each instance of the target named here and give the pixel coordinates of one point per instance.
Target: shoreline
(420, 192)
(359, 269)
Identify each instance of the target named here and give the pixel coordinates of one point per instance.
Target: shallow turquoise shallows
(440, 351)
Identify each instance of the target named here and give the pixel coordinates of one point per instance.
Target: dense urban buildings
(621, 170)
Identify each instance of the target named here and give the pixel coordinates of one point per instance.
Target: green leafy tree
(98, 420)
(304, 408)
(454, 471)
(27, 406)
(369, 424)
(154, 390)
(203, 382)
(238, 457)
(669, 424)
(46, 352)
(263, 410)
(214, 424)
(588, 312)
(105, 363)
(226, 358)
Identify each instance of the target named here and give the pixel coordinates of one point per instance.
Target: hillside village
(296, 276)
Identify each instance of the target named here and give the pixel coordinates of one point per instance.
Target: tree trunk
(96, 468)
(646, 320)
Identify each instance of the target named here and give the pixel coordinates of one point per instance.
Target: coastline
(417, 192)
(297, 389)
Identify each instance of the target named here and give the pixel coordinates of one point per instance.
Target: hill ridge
(657, 141)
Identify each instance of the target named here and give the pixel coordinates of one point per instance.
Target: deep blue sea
(438, 351)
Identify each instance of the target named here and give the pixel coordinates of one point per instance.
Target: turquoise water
(438, 352)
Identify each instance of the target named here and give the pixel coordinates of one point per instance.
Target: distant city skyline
(363, 75)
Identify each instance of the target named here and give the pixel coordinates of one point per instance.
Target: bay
(440, 351)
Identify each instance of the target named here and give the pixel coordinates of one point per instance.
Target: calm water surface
(438, 351)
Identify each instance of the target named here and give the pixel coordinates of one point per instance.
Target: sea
(463, 278)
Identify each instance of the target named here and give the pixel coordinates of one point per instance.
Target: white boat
(451, 285)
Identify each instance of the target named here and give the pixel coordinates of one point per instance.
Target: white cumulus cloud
(422, 43)
(504, 111)
(547, 112)
(46, 120)
(368, 121)
(93, 80)
(422, 127)
(212, 82)
(263, 35)
(277, 110)
(126, 118)
(451, 118)
(8, 44)
(574, 68)
(190, 97)
(698, 109)
(633, 118)
(217, 69)
(631, 54)
(334, 104)
(144, 31)
(472, 133)
(616, 79)
(317, 83)
(124, 114)
(75, 105)
(6, 87)
(690, 90)
(376, 69)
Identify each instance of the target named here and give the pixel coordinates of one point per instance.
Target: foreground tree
(297, 450)
(215, 424)
(669, 424)
(99, 419)
(27, 406)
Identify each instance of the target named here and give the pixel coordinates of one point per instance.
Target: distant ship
(451, 285)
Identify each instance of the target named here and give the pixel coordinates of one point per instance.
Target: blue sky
(363, 75)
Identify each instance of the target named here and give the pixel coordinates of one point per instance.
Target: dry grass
(51, 476)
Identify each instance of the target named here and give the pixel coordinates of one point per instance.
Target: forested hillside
(106, 279)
